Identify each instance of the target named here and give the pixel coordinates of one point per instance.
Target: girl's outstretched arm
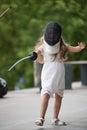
(78, 48)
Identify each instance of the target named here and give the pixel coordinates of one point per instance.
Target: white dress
(53, 74)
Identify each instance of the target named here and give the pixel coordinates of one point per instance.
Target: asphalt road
(19, 110)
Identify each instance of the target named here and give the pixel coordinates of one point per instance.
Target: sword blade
(18, 62)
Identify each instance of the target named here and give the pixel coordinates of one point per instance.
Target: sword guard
(33, 56)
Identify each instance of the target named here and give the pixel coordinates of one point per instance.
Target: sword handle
(33, 55)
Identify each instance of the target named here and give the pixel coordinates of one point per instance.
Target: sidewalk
(19, 109)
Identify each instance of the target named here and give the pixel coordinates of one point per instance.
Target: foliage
(23, 24)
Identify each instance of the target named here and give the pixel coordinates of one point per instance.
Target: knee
(58, 97)
(46, 95)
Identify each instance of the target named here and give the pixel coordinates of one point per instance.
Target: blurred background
(23, 24)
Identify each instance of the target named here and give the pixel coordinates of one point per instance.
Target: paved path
(19, 109)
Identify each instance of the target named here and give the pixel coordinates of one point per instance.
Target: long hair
(63, 51)
(38, 44)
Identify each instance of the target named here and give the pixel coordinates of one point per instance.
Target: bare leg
(44, 105)
(57, 105)
(43, 108)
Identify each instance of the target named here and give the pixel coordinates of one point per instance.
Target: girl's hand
(78, 48)
(81, 45)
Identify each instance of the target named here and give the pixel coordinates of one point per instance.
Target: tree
(21, 27)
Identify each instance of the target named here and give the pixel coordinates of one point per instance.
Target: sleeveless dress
(52, 75)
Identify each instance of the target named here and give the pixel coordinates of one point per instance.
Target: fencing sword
(32, 56)
(18, 62)
(5, 11)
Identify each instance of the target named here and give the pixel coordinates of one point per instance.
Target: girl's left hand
(81, 45)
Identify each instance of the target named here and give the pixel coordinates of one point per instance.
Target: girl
(52, 52)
